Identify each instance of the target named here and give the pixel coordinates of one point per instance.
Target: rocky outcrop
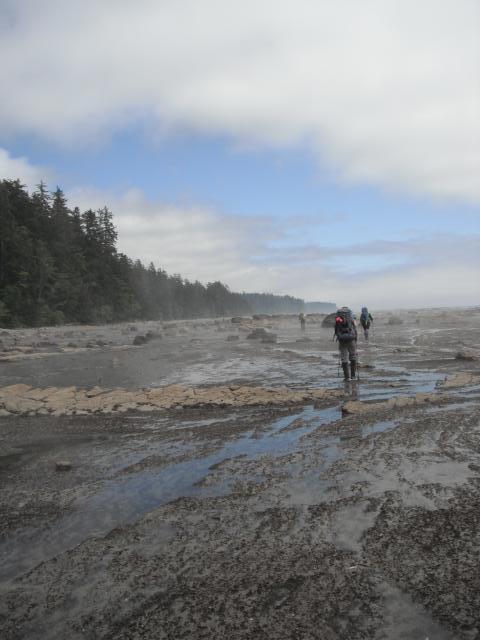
(329, 321)
(257, 334)
(465, 354)
(269, 338)
(462, 379)
(355, 407)
(21, 399)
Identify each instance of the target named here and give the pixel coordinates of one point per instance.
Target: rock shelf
(24, 400)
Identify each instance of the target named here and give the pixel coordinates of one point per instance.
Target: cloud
(383, 92)
(242, 251)
(21, 169)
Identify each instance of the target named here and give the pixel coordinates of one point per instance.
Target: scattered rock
(329, 321)
(151, 335)
(464, 354)
(269, 338)
(63, 465)
(354, 407)
(462, 379)
(257, 334)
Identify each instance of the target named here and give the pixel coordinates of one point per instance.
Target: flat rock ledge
(21, 399)
(462, 379)
(354, 407)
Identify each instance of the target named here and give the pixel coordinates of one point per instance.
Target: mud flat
(192, 485)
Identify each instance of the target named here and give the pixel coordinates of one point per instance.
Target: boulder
(63, 465)
(139, 340)
(329, 321)
(269, 338)
(257, 334)
(464, 354)
(462, 379)
(151, 335)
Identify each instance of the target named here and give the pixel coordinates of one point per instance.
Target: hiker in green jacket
(366, 319)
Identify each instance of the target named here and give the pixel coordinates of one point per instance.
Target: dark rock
(132, 328)
(139, 340)
(269, 338)
(63, 465)
(257, 334)
(329, 321)
(394, 320)
(238, 320)
(465, 355)
(72, 345)
(151, 335)
(232, 338)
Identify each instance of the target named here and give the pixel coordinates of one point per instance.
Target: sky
(327, 150)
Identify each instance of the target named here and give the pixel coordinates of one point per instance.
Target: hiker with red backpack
(346, 335)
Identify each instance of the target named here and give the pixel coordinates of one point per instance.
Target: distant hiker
(346, 334)
(301, 317)
(366, 319)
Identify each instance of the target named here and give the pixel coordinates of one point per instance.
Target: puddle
(124, 500)
(405, 619)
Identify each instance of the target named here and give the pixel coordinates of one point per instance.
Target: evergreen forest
(61, 265)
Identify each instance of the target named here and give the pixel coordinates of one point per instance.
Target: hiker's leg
(344, 352)
(352, 353)
(343, 347)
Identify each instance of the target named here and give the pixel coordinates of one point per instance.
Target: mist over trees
(61, 265)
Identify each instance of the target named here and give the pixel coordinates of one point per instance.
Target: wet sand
(286, 521)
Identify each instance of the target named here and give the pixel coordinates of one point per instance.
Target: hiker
(366, 319)
(301, 317)
(346, 335)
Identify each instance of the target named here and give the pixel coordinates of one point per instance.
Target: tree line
(60, 265)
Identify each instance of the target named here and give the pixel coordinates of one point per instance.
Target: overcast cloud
(207, 245)
(383, 92)
(21, 169)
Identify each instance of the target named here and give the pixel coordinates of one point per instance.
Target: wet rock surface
(223, 489)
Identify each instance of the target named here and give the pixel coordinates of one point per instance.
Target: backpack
(344, 325)
(364, 318)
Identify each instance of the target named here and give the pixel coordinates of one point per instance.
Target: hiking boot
(353, 368)
(346, 371)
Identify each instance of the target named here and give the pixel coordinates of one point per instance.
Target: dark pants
(348, 350)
